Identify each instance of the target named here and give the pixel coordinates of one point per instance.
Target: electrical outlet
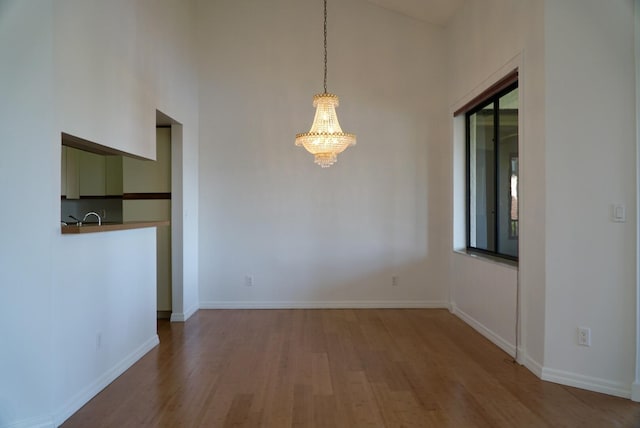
(248, 280)
(394, 281)
(619, 213)
(584, 336)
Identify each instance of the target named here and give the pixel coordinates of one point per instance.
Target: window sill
(488, 258)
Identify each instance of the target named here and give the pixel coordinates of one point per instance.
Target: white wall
(169, 40)
(116, 63)
(312, 236)
(98, 70)
(104, 306)
(590, 116)
(30, 177)
(486, 40)
(134, 58)
(577, 158)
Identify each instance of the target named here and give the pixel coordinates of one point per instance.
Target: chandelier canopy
(325, 140)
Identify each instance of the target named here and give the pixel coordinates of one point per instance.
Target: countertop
(94, 228)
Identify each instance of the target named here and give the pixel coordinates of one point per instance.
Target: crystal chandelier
(325, 140)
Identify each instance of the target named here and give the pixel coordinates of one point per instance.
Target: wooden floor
(338, 368)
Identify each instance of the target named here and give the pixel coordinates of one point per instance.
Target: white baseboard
(192, 310)
(177, 317)
(635, 391)
(330, 304)
(483, 330)
(604, 386)
(39, 422)
(534, 366)
(103, 381)
(182, 317)
(595, 384)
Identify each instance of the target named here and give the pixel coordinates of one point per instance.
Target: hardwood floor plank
(321, 374)
(324, 412)
(359, 395)
(338, 368)
(302, 406)
(239, 411)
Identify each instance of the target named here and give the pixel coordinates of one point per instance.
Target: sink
(91, 223)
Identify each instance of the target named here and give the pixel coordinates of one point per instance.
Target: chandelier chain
(325, 140)
(325, 46)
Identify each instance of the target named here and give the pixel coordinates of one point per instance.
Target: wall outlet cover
(584, 336)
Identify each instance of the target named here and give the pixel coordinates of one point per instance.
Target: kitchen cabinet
(70, 187)
(92, 168)
(113, 175)
(63, 172)
(86, 174)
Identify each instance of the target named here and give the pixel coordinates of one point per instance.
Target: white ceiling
(437, 12)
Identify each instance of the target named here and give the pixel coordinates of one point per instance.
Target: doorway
(177, 213)
(147, 197)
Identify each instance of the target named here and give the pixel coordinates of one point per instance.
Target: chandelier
(325, 140)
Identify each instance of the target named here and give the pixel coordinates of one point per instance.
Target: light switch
(619, 213)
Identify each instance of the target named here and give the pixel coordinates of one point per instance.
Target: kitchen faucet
(95, 214)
